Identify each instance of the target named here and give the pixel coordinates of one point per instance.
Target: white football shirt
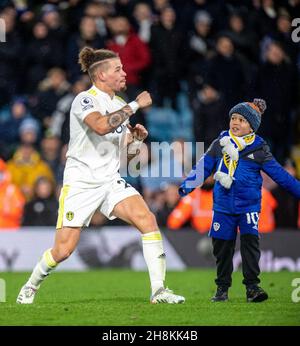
(93, 159)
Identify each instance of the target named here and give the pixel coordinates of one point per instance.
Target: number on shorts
(252, 218)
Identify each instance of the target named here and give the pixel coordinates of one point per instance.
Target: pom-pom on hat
(251, 111)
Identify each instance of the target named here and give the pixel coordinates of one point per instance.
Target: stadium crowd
(197, 58)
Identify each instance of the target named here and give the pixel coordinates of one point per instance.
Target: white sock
(155, 259)
(43, 268)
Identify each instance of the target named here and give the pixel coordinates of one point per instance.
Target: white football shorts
(77, 205)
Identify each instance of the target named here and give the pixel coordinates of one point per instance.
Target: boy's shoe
(256, 294)
(27, 294)
(164, 295)
(221, 295)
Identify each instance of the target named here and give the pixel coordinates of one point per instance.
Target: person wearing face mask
(133, 52)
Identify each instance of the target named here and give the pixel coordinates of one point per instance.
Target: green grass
(120, 297)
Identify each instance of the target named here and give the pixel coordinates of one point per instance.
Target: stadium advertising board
(120, 247)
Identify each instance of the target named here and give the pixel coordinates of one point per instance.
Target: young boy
(238, 156)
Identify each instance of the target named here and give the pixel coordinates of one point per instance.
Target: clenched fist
(144, 99)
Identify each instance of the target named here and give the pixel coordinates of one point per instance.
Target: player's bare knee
(61, 253)
(148, 220)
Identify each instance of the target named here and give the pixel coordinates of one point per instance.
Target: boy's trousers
(223, 251)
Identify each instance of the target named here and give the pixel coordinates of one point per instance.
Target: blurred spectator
(159, 6)
(11, 200)
(51, 89)
(124, 7)
(287, 214)
(244, 40)
(26, 167)
(263, 17)
(167, 48)
(72, 14)
(276, 83)
(52, 18)
(144, 20)
(99, 11)
(42, 209)
(216, 9)
(283, 34)
(10, 52)
(50, 151)
(29, 131)
(87, 36)
(133, 52)
(60, 119)
(196, 208)
(11, 118)
(200, 46)
(266, 221)
(210, 117)
(293, 7)
(40, 56)
(171, 198)
(26, 20)
(225, 72)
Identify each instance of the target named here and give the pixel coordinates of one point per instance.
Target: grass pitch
(121, 298)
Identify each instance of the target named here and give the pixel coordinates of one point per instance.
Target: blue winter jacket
(244, 196)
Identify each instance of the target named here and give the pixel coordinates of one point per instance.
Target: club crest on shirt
(216, 226)
(70, 215)
(86, 103)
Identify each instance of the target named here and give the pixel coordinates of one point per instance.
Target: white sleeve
(85, 105)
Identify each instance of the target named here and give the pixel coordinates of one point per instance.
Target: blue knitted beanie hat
(251, 111)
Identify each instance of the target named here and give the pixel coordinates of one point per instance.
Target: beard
(124, 88)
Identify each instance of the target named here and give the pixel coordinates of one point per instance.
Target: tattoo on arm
(115, 119)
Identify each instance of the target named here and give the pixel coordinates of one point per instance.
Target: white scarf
(232, 145)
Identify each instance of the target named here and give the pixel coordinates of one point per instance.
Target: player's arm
(103, 125)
